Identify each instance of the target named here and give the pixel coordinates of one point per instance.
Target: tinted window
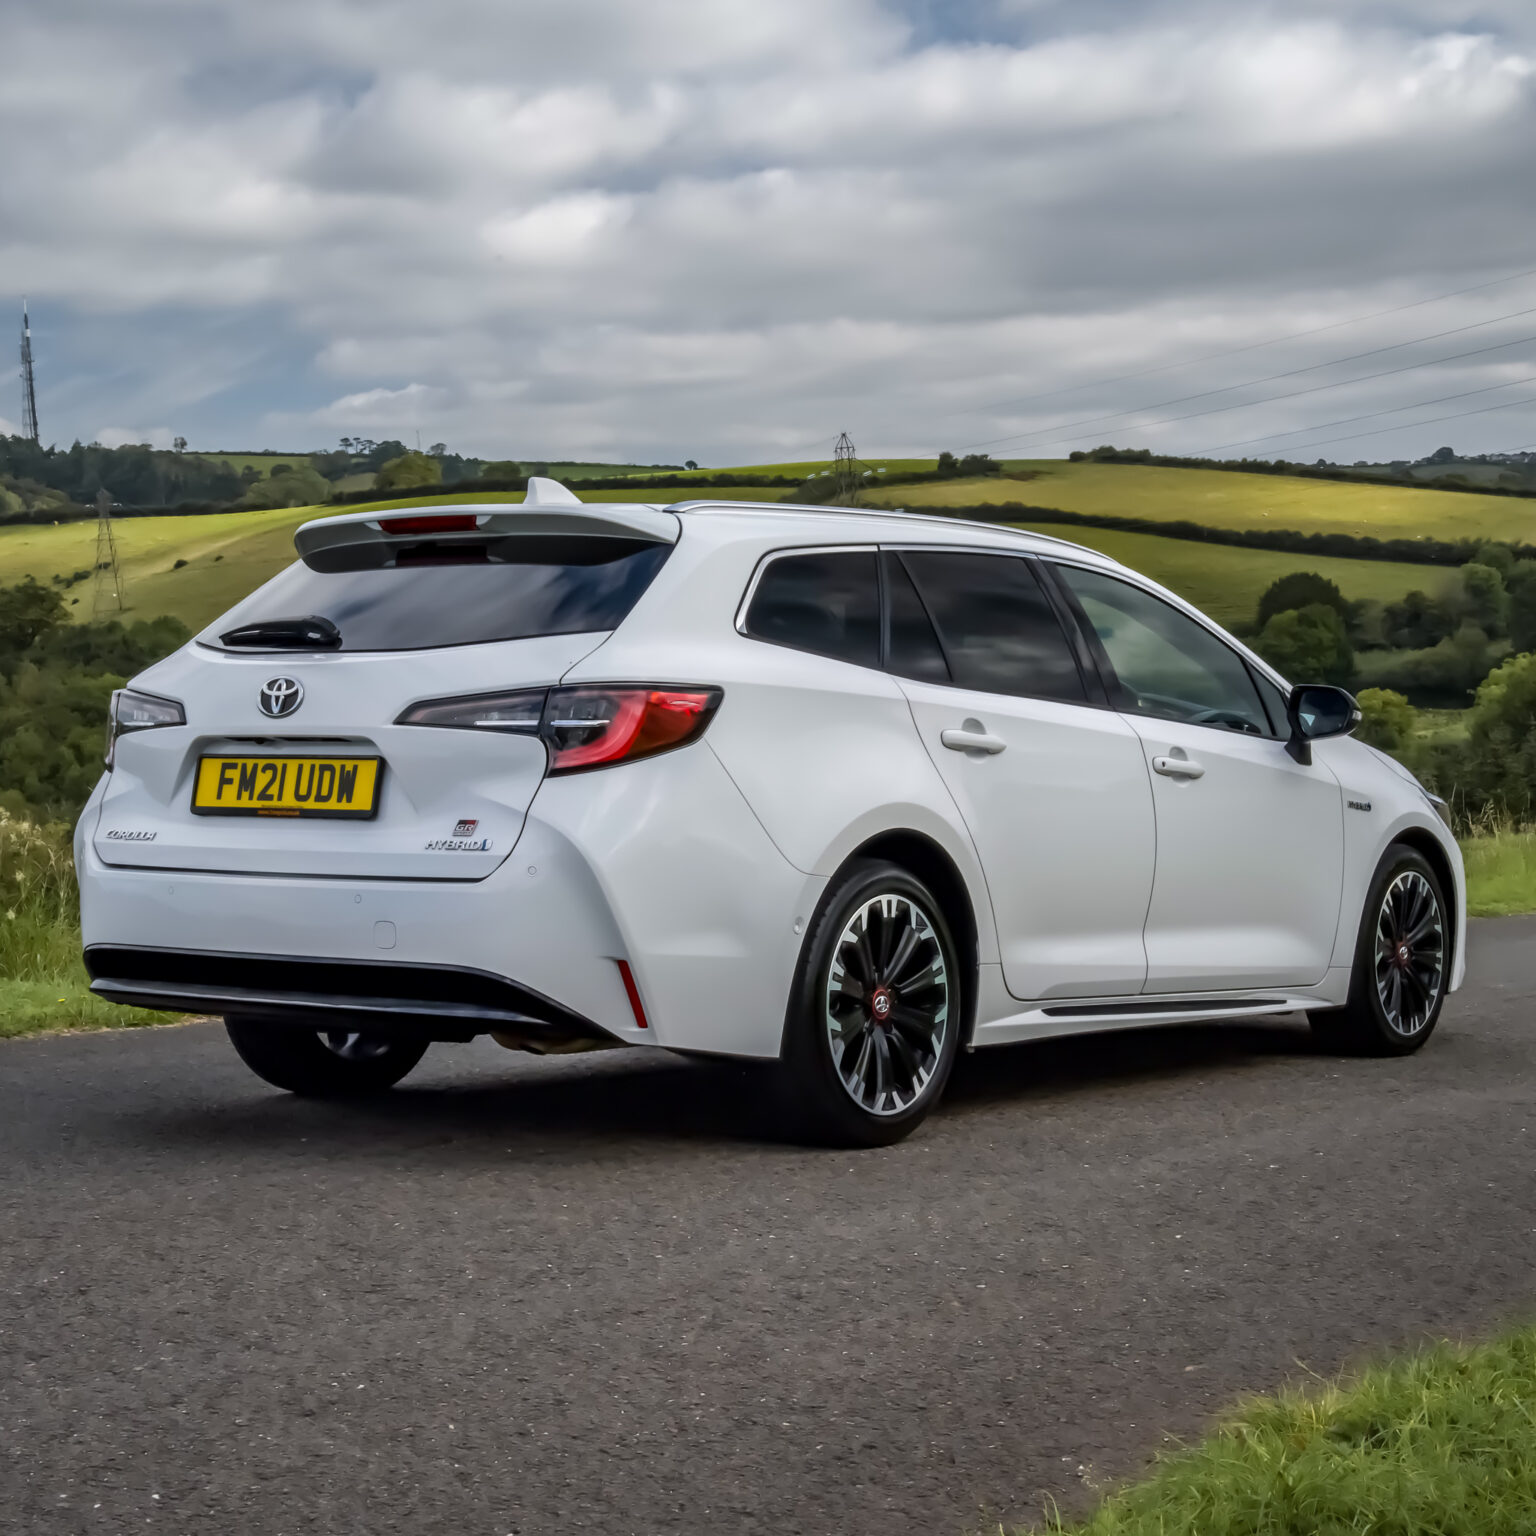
(464, 596)
(1166, 664)
(998, 628)
(913, 648)
(1274, 704)
(828, 603)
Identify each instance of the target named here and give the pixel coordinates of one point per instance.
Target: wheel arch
(921, 856)
(1425, 843)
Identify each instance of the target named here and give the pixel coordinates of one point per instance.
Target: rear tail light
(585, 727)
(132, 711)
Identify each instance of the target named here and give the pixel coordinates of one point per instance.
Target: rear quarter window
(827, 602)
(457, 594)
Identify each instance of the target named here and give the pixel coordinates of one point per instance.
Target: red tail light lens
(591, 727)
(585, 727)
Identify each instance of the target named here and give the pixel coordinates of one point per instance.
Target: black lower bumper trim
(448, 1002)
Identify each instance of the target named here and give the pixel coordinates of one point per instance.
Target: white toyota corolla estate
(849, 791)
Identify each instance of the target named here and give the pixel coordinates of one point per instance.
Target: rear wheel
(1402, 963)
(322, 1064)
(875, 1016)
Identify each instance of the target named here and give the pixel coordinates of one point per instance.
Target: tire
(322, 1064)
(900, 1021)
(1402, 963)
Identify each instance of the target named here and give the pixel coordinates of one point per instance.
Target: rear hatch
(383, 613)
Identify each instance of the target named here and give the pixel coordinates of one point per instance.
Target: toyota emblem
(281, 696)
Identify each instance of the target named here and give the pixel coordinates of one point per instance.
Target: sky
(727, 230)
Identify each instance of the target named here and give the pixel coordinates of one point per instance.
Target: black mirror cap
(1316, 711)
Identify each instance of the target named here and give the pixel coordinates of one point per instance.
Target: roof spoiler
(544, 514)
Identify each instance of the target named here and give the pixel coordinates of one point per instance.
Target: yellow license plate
(287, 786)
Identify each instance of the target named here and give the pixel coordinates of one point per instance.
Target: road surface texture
(596, 1294)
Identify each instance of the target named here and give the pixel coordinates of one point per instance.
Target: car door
(1050, 780)
(1250, 843)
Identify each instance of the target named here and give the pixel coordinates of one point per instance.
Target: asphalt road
(595, 1294)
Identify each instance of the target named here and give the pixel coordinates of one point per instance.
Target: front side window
(999, 631)
(827, 602)
(1165, 664)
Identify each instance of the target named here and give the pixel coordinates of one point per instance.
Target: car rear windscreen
(440, 594)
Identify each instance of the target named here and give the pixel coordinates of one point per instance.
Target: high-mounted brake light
(455, 522)
(585, 727)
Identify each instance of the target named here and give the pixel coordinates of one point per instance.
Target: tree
(179, 444)
(1484, 600)
(438, 450)
(1441, 456)
(690, 464)
(1419, 620)
(1387, 719)
(1300, 590)
(28, 611)
(1498, 770)
(1499, 556)
(408, 470)
(1309, 645)
(501, 469)
(1522, 606)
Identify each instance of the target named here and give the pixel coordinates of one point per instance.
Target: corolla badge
(281, 696)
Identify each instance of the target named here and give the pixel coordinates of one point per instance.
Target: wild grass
(1439, 1441)
(43, 984)
(1501, 873)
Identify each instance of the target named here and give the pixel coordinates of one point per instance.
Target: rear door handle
(972, 741)
(1178, 767)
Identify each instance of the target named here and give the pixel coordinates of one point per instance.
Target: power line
(1481, 410)
(1253, 346)
(1054, 434)
(1325, 426)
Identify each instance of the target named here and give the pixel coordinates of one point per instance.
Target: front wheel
(321, 1063)
(1402, 963)
(875, 1016)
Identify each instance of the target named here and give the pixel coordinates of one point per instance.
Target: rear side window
(913, 649)
(998, 627)
(828, 602)
(513, 590)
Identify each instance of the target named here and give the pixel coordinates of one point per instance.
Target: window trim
(1111, 678)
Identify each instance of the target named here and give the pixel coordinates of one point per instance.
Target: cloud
(724, 230)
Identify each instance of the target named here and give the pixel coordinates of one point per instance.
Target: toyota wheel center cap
(880, 1004)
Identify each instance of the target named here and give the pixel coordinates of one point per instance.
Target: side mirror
(1315, 711)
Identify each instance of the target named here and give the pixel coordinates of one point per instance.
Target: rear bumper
(435, 1002)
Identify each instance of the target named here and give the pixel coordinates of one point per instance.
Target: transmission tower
(107, 590)
(845, 480)
(28, 385)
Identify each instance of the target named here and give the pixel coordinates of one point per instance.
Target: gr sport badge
(281, 696)
(465, 828)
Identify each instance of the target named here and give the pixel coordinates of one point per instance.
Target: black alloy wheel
(875, 1018)
(1402, 963)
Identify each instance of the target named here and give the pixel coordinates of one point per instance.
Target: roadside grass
(1227, 582)
(1501, 875)
(1223, 499)
(43, 984)
(1438, 1441)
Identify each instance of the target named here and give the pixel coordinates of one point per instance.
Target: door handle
(1178, 767)
(973, 741)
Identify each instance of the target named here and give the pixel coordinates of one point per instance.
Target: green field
(1227, 582)
(1223, 499)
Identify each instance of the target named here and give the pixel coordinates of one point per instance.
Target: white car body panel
(701, 868)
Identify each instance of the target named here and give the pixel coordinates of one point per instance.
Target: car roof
(791, 522)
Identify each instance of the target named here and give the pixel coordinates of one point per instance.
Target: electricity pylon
(107, 592)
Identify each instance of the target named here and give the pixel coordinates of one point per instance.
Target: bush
(1300, 590)
(1442, 674)
(1309, 645)
(1387, 720)
(408, 472)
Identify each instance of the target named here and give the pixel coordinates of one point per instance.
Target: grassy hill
(229, 553)
(1223, 499)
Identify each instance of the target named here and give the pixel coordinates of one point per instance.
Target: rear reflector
(456, 522)
(636, 1006)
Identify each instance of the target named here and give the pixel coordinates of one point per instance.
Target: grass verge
(43, 985)
(1501, 877)
(1437, 1441)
